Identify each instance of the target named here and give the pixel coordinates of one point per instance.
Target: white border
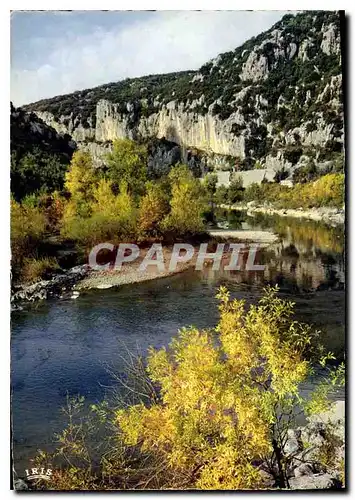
(5, 7)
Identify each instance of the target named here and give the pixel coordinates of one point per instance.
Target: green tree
(210, 183)
(36, 170)
(221, 196)
(128, 162)
(81, 179)
(235, 190)
(187, 205)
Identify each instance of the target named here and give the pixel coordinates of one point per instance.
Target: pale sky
(55, 53)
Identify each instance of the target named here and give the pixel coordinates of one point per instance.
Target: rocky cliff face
(275, 102)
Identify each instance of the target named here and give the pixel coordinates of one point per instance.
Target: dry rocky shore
(331, 216)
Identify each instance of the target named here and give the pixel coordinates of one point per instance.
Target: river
(65, 347)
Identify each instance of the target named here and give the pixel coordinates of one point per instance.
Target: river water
(65, 347)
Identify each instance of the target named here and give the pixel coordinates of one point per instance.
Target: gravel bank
(71, 282)
(260, 237)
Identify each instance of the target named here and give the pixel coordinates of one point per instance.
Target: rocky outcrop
(57, 286)
(331, 40)
(276, 101)
(255, 68)
(304, 454)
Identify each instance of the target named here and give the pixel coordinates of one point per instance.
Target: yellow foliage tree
(81, 178)
(28, 226)
(153, 207)
(187, 204)
(227, 397)
(107, 217)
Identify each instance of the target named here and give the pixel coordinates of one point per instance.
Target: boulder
(294, 443)
(303, 470)
(268, 480)
(314, 482)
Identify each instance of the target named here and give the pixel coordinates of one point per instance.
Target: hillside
(39, 155)
(275, 102)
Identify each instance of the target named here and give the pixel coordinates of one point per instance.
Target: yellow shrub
(221, 398)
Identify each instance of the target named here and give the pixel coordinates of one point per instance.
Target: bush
(35, 269)
(226, 402)
(204, 413)
(28, 226)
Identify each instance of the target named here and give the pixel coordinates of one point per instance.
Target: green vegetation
(298, 89)
(235, 190)
(210, 183)
(326, 191)
(140, 92)
(39, 156)
(28, 226)
(128, 163)
(118, 205)
(207, 411)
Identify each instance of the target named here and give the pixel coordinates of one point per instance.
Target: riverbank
(68, 284)
(131, 273)
(331, 216)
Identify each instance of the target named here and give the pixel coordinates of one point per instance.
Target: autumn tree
(109, 216)
(188, 203)
(81, 178)
(204, 413)
(128, 162)
(28, 226)
(153, 207)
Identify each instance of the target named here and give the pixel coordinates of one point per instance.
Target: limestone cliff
(275, 102)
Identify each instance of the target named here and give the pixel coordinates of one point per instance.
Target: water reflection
(309, 255)
(62, 346)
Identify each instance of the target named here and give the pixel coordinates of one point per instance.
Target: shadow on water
(66, 346)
